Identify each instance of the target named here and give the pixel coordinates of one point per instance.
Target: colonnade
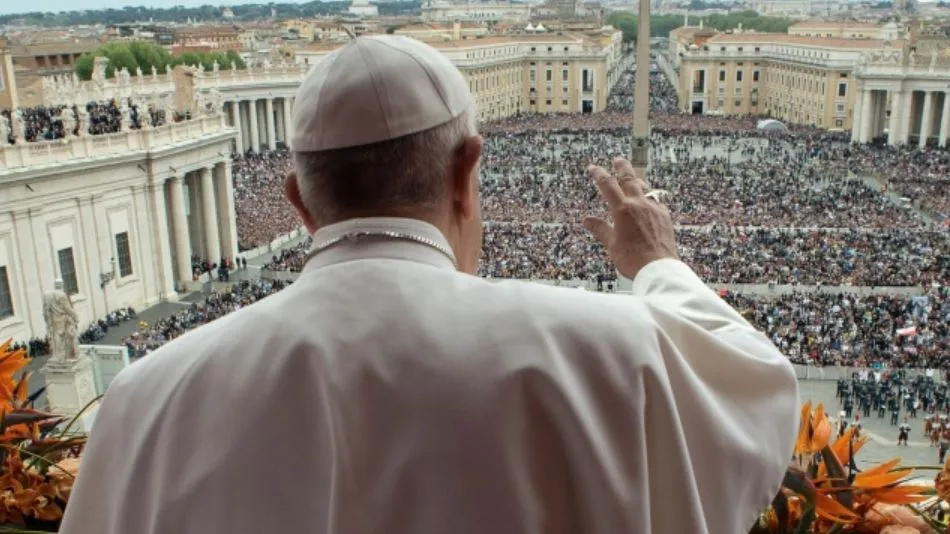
(261, 123)
(198, 208)
(915, 114)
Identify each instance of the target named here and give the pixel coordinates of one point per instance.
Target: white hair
(407, 172)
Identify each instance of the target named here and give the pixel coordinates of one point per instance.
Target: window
(564, 103)
(564, 88)
(839, 123)
(547, 102)
(755, 76)
(564, 75)
(550, 49)
(722, 49)
(756, 49)
(67, 271)
(740, 49)
(531, 75)
(737, 103)
(6, 300)
(842, 89)
(124, 254)
(839, 108)
(531, 102)
(722, 76)
(548, 75)
(738, 75)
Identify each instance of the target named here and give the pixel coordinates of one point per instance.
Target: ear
(292, 192)
(465, 179)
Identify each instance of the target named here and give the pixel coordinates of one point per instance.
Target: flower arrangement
(824, 491)
(38, 463)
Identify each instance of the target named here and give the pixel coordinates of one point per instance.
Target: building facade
(544, 73)
(904, 98)
(116, 217)
(448, 12)
(797, 79)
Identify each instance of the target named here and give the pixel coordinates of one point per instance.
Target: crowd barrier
(810, 372)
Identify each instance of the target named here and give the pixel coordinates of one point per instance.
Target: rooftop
(801, 40)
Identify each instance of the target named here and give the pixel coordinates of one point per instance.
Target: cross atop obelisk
(640, 149)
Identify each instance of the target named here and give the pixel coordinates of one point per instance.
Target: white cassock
(386, 393)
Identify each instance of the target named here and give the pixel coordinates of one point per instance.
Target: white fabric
(374, 89)
(386, 393)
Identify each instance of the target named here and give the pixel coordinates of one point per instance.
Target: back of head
(376, 127)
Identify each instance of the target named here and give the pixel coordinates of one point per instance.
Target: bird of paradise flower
(38, 463)
(824, 492)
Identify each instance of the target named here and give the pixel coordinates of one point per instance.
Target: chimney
(456, 31)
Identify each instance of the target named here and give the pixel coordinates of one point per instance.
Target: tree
(626, 22)
(143, 55)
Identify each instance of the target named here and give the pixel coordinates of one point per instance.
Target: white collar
(392, 249)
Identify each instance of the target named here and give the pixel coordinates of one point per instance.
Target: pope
(391, 391)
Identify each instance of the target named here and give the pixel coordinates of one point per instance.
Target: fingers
(608, 186)
(600, 228)
(631, 180)
(628, 178)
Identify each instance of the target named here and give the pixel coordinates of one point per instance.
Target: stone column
(180, 225)
(857, 122)
(944, 121)
(210, 211)
(158, 217)
(287, 121)
(255, 130)
(269, 119)
(926, 120)
(868, 114)
(893, 127)
(227, 220)
(907, 115)
(236, 122)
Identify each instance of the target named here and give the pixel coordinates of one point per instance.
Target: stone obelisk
(640, 133)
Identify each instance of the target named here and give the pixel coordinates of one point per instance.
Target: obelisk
(640, 133)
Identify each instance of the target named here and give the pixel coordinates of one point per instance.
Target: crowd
(149, 337)
(839, 329)
(262, 211)
(47, 123)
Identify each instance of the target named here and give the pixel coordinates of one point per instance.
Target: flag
(908, 331)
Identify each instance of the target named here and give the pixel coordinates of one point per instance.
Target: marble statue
(933, 60)
(216, 100)
(215, 67)
(233, 66)
(4, 130)
(125, 116)
(68, 120)
(62, 324)
(83, 115)
(145, 115)
(19, 126)
(154, 72)
(99, 70)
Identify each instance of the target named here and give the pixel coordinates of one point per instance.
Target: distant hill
(244, 12)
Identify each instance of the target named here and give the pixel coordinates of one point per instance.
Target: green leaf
(838, 477)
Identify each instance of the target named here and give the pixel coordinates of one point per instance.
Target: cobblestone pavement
(883, 443)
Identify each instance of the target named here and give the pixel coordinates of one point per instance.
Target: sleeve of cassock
(735, 394)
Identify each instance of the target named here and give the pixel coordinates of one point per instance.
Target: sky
(20, 6)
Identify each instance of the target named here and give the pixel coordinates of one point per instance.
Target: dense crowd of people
(48, 123)
(149, 337)
(846, 329)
